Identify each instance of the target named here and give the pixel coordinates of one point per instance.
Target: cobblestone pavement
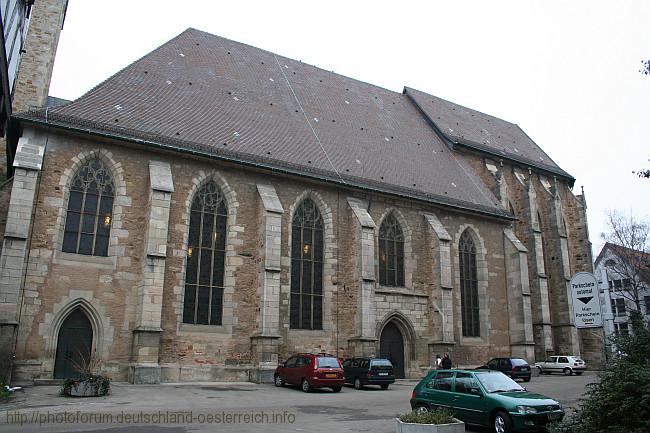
(232, 407)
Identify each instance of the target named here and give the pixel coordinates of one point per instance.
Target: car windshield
(517, 361)
(328, 362)
(497, 382)
(380, 363)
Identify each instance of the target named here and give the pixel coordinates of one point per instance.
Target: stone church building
(213, 208)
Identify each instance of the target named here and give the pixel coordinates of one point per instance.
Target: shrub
(5, 369)
(438, 416)
(620, 402)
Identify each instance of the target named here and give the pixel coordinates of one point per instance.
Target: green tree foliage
(620, 402)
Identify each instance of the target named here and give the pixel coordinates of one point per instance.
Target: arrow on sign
(585, 300)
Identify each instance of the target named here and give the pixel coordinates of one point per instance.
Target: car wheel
(384, 386)
(306, 387)
(502, 423)
(526, 379)
(567, 371)
(357, 383)
(578, 373)
(277, 380)
(421, 408)
(336, 388)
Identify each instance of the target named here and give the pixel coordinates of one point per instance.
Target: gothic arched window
(468, 285)
(306, 307)
(206, 252)
(90, 209)
(391, 253)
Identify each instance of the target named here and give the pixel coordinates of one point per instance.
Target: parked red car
(310, 371)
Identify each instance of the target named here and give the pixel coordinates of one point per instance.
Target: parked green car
(485, 398)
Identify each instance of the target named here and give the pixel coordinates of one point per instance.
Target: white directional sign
(586, 303)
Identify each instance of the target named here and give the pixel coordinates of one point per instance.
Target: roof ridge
(465, 107)
(299, 61)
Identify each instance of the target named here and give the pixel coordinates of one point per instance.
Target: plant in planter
(437, 421)
(90, 382)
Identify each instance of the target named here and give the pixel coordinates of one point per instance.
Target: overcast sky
(566, 71)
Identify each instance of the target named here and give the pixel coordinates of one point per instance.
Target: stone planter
(86, 388)
(407, 427)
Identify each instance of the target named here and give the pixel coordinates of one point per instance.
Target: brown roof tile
(207, 94)
(481, 131)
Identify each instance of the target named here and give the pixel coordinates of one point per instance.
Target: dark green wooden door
(391, 346)
(73, 345)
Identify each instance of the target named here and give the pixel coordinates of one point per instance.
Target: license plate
(330, 376)
(383, 374)
(554, 416)
(524, 368)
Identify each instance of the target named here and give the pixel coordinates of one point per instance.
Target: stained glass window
(206, 252)
(90, 209)
(306, 307)
(391, 253)
(468, 286)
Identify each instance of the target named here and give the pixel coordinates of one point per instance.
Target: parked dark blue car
(368, 371)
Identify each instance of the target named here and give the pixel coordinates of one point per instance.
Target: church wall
(5, 195)
(55, 280)
(108, 286)
(565, 338)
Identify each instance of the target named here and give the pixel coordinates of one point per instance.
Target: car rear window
(327, 363)
(517, 361)
(380, 363)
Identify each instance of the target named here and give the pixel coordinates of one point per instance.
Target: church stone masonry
(476, 206)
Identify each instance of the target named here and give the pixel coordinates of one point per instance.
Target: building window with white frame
(621, 328)
(618, 307)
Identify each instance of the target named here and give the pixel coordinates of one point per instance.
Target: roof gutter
(528, 163)
(16, 119)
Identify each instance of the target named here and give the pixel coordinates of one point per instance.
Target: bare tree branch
(628, 238)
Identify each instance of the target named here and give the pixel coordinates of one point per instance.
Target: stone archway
(391, 347)
(74, 344)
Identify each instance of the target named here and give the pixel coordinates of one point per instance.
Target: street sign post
(586, 300)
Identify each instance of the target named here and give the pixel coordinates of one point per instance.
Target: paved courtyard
(232, 407)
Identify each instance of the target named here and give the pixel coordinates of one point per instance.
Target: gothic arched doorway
(391, 346)
(74, 345)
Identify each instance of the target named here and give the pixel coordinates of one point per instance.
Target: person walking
(446, 361)
(438, 361)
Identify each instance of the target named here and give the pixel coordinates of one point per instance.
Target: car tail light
(370, 373)
(413, 395)
(575, 364)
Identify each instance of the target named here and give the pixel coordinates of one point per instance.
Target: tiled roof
(635, 261)
(481, 131)
(206, 94)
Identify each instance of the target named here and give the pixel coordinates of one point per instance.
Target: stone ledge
(72, 259)
(188, 329)
(400, 291)
(15, 236)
